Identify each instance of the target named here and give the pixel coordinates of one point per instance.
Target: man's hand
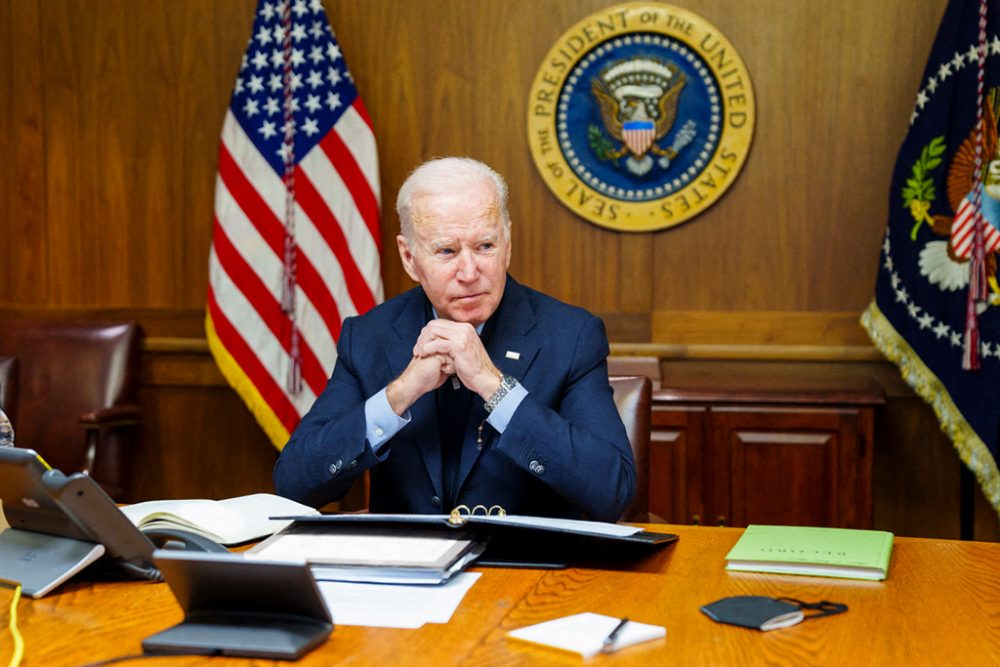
(459, 343)
(422, 374)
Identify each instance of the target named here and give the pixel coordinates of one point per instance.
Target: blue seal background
(578, 110)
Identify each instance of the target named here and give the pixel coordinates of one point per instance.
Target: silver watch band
(506, 384)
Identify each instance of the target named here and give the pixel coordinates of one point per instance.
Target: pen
(609, 641)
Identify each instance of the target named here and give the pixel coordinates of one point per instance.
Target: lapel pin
(513, 355)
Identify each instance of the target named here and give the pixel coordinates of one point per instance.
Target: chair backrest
(633, 398)
(9, 388)
(67, 370)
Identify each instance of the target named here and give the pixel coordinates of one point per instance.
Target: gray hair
(446, 176)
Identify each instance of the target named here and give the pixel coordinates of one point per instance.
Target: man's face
(459, 254)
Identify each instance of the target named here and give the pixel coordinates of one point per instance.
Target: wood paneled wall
(112, 112)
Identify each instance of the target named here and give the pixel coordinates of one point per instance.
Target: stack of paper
(374, 554)
(395, 606)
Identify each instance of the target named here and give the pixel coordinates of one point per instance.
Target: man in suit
(469, 389)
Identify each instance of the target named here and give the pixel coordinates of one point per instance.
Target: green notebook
(824, 552)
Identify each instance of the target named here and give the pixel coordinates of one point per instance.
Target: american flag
(295, 244)
(963, 229)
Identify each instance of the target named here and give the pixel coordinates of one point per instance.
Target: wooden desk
(940, 605)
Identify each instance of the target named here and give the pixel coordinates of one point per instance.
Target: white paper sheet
(395, 606)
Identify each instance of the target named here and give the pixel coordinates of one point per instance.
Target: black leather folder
(241, 607)
(523, 541)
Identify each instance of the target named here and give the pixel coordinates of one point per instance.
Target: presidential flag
(295, 244)
(936, 311)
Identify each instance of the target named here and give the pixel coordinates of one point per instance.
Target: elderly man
(470, 389)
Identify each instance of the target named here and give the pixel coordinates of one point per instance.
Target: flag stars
(895, 280)
(259, 60)
(313, 103)
(298, 32)
(925, 321)
(333, 101)
(274, 83)
(932, 84)
(251, 107)
(958, 60)
(913, 309)
(256, 84)
(333, 51)
(922, 99)
(238, 88)
(941, 330)
(316, 6)
(973, 53)
(944, 71)
(277, 59)
(310, 127)
(334, 75)
(285, 152)
(296, 82)
(263, 36)
(300, 8)
(279, 34)
(271, 106)
(316, 30)
(297, 58)
(316, 55)
(267, 11)
(888, 263)
(243, 62)
(955, 339)
(995, 46)
(267, 129)
(901, 295)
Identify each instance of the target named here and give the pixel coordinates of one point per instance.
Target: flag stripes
(963, 232)
(334, 228)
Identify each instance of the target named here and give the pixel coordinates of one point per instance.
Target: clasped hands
(444, 348)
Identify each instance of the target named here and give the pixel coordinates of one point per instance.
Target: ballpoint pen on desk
(608, 645)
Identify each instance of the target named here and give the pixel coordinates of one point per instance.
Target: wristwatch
(506, 384)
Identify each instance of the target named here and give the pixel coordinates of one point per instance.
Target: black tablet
(241, 606)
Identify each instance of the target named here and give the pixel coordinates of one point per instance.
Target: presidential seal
(640, 117)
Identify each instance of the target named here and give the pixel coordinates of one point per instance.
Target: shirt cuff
(381, 423)
(504, 410)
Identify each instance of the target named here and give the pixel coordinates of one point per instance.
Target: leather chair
(633, 398)
(8, 388)
(78, 392)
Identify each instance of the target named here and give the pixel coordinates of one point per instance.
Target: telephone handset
(183, 540)
(98, 516)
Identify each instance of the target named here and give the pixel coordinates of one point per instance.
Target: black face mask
(764, 613)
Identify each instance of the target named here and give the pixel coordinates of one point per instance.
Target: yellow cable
(15, 659)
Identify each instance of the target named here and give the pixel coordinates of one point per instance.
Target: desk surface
(940, 605)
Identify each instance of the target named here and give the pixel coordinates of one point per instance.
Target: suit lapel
(512, 350)
(423, 413)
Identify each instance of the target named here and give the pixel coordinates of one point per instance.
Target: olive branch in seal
(603, 149)
(919, 191)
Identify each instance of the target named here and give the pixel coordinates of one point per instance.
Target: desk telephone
(40, 499)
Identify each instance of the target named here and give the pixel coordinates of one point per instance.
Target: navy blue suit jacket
(564, 453)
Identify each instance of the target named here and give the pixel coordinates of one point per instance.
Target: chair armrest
(117, 415)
